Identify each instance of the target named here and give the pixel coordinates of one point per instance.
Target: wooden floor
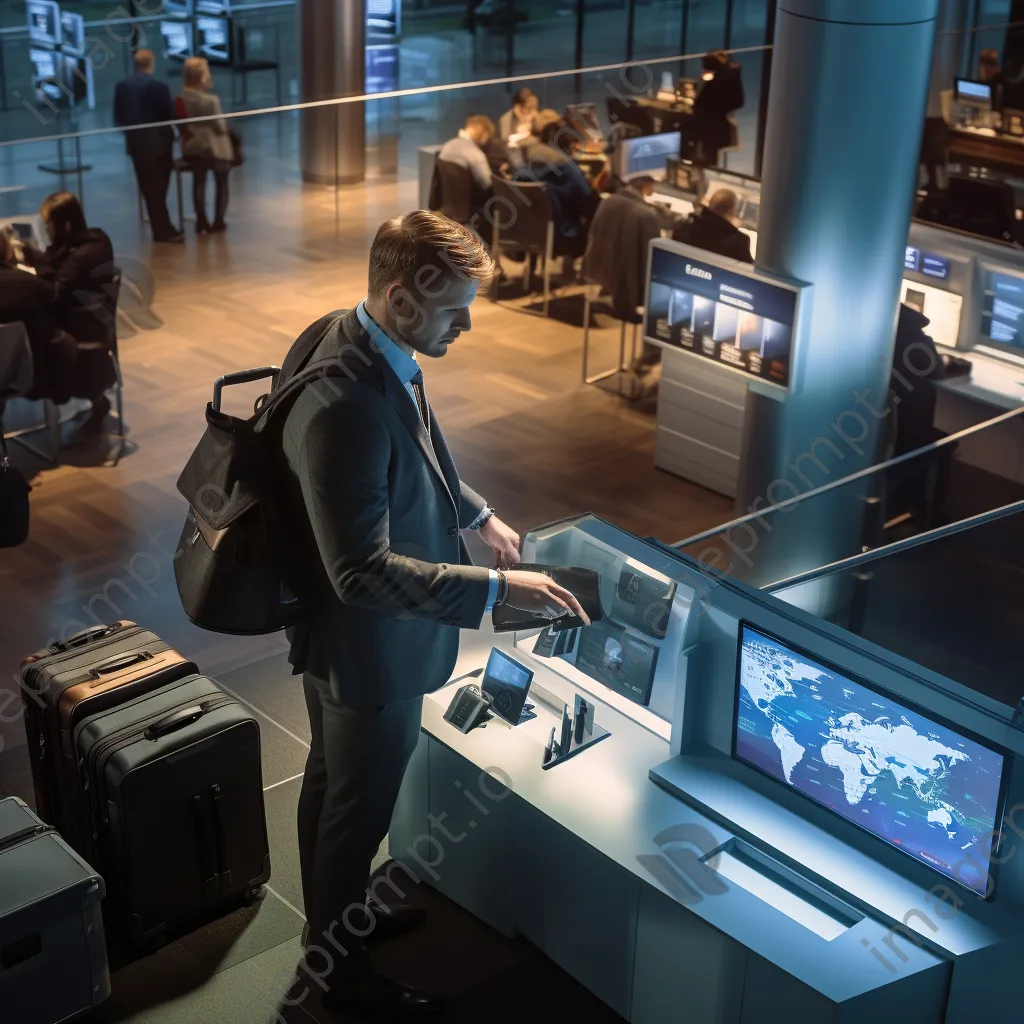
(524, 431)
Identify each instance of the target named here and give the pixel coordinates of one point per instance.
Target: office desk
(995, 386)
(987, 148)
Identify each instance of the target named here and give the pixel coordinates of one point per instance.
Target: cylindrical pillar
(333, 63)
(848, 96)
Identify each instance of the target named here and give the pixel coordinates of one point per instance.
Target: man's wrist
(485, 514)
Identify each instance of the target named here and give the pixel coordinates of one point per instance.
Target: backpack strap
(307, 343)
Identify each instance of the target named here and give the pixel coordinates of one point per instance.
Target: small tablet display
(508, 683)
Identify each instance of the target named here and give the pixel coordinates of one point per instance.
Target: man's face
(433, 311)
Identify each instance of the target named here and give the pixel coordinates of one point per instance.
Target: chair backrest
(457, 191)
(94, 314)
(522, 211)
(17, 370)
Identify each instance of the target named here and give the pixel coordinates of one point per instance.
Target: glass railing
(951, 599)
(877, 506)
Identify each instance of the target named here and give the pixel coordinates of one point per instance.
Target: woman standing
(206, 144)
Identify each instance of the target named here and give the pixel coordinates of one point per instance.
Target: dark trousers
(201, 168)
(357, 759)
(153, 172)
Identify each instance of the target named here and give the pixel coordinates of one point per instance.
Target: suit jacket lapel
(398, 398)
(444, 457)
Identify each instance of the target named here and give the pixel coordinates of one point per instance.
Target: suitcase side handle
(119, 662)
(177, 720)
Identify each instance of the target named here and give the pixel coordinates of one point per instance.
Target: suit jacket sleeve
(342, 470)
(164, 103)
(120, 115)
(470, 505)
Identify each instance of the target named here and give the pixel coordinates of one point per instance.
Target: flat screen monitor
(178, 8)
(928, 264)
(177, 39)
(722, 310)
(646, 155)
(1002, 317)
(213, 7)
(612, 654)
(383, 17)
(44, 27)
(46, 76)
(942, 308)
(72, 33)
(507, 682)
(748, 191)
(930, 789)
(213, 39)
(976, 93)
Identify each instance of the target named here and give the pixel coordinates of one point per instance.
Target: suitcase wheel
(250, 896)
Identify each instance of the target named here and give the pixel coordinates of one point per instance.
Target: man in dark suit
(714, 228)
(378, 509)
(140, 100)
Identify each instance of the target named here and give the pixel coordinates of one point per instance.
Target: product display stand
(575, 748)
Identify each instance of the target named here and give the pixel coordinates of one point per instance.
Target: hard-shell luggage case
(176, 789)
(70, 680)
(53, 959)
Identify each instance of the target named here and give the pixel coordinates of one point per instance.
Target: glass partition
(954, 604)
(856, 513)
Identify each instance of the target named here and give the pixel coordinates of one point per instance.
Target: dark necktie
(421, 399)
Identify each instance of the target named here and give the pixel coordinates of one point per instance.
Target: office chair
(454, 193)
(523, 222)
(17, 373)
(986, 208)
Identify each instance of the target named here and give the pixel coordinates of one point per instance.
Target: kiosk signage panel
(1002, 318)
(723, 310)
(942, 308)
(927, 788)
(177, 37)
(926, 263)
(44, 26)
(213, 39)
(72, 33)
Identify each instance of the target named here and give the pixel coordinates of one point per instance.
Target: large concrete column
(332, 36)
(848, 96)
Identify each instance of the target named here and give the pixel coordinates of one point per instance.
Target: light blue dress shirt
(406, 367)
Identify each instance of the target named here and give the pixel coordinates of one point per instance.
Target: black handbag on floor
(14, 490)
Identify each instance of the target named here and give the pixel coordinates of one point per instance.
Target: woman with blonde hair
(206, 144)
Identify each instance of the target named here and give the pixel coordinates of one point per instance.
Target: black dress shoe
(378, 997)
(177, 238)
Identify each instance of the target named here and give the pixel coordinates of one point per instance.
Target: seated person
(573, 200)
(467, 150)
(29, 299)
(519, 120)
(80, 262)
(714, 227)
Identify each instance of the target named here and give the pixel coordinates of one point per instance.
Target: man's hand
(539, 594)
(502, 540)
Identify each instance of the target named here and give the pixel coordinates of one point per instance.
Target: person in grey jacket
(206, 144)
(378, 510)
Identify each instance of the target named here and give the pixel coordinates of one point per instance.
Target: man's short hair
(480, 123)
(546, 123)
(145, 59)
(989, 58)
(404, 245)
(724, 202)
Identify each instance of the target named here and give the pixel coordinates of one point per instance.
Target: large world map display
(918, 785)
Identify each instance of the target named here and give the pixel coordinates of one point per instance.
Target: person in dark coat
(722, 94)
(141, 100)
(713, 227)
(79, 262)
(31, 300)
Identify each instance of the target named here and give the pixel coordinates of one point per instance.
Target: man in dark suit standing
(139, 100)
(378, 510)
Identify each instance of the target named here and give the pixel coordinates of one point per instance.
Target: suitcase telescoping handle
(117, 663)
(242, 377)
(177, 720)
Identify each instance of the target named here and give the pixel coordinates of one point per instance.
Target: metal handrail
(897, 547)
(860, 474)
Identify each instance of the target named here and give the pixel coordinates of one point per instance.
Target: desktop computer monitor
(740, 318)
(44, 27)
(646, 155)
(924, 786)
(47, 81)
(582, 118)
(942, 308)
(977, 94)
(72, 33)
(179, 8)
(213, 7)
(213, 39)
(1002, 317)
(177, 39)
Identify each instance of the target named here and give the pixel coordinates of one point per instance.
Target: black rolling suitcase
(63, 684)
(53, 959)
(176, 797)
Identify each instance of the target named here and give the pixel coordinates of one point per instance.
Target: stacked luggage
(150, 772)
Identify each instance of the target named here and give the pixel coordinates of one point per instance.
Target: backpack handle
(242, 377)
